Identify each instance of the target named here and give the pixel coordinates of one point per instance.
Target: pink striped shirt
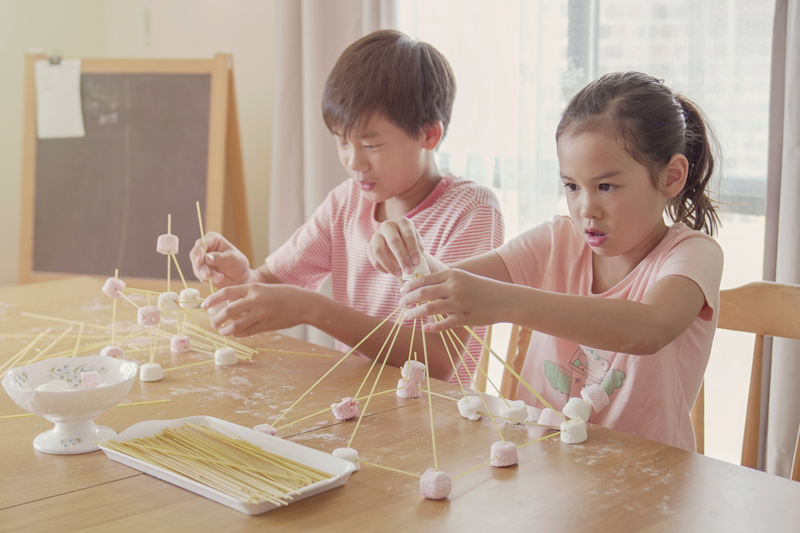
(458, 219)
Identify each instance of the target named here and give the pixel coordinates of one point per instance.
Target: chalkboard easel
(161, 134)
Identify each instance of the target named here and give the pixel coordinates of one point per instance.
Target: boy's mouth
(366, 186)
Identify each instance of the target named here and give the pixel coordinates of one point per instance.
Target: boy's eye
(370, 146)
(607, 187)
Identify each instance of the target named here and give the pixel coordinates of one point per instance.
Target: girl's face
(611, 197)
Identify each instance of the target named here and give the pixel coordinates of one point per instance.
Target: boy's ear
(676, 173)
(432, 133)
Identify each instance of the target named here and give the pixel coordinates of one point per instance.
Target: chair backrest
(766, 309)
(518, 343)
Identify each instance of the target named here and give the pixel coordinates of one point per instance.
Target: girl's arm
(638, 328)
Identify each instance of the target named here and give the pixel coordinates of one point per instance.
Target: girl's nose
(589, 206)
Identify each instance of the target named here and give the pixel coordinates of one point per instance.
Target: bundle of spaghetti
(223, 462)
(242, 351)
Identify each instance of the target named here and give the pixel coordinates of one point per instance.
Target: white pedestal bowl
(72, 410)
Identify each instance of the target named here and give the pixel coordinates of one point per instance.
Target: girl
(614, 296)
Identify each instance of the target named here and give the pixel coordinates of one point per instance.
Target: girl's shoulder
(680, 235)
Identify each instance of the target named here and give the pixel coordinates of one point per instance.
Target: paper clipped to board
(59, 111)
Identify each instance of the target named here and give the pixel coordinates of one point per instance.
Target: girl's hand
(223, 263)
(396, 247)
(257, 307)
(463, 299)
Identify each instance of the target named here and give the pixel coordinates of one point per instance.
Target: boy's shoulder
(468, 193)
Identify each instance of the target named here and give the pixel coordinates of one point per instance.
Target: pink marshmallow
(267, 429)
(112, 351)
(114, 287)
(413, 370)
(346, 409)
(167, 244)
(549, 418)
(90, 380)
(408, 389)
(595, 395)
(148, 315)
(503, 454)
(435, 485)
(180, 343)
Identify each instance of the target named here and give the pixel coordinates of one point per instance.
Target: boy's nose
(357, 162)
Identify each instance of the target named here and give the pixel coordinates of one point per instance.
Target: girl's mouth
(595, 237)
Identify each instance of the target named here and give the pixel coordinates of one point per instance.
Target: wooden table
(612, 482)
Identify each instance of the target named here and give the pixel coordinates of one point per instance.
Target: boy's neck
(400, 205)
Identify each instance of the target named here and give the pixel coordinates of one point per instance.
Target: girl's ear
(431, 134)
(676, 172)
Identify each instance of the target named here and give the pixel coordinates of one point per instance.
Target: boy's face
(384, 161)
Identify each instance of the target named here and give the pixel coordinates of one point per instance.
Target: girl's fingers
(228, 293)
(238, 326)
(257, 327)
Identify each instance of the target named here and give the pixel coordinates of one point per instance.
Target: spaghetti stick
(78, 340)
(132, 404)
(453, 364)
(64, 320)
(395, 326)
(327, 409)
(354, 348)
(203, 239)
(479, 367)
(514, 373)
(441, 396)
(155, 345)
(180, 272)
(169, 265)
(113, 311)
(41, 354)
(140, 291)
(294, 353)
(474, 469)
(540, 439)
(20, 354)
(363, 462)
(430, 403)
(129, 301)
(207, 361)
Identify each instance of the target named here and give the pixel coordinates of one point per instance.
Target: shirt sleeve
(305, 259)
(699, 258)
(527, 256)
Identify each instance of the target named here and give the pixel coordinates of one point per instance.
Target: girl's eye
(571, 187)
(607, 187)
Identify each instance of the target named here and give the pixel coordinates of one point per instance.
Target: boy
(387, 102)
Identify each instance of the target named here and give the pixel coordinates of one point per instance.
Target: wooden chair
(515, 356)
(766, 309)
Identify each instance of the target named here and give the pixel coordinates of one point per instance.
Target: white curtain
(782, 256)
(311, 36)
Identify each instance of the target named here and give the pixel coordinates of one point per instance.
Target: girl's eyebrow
(604, 176)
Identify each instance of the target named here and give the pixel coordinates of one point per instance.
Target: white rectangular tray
(336, 467)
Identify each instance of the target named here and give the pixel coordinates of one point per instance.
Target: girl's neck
(607, 272)
(402, 204)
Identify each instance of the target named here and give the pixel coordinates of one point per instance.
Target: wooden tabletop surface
(612, 482)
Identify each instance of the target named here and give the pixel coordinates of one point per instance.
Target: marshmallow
(468, 407)
(46, 387)
(574, 431)
(549, 418)
(167, 244)
(150, 372)
(346, 409)
(190, 298)
(180, 343)
(266, 429)
(60, 383)
(408, 389)
(168, 301)
(503, 454)
(420, 270)
(90, 380)
(225, 356)
(348, 454)
(515, 412)
(435, 485)
(595, 395)
(577, 408)
(148, 315)
(114, 287)
(214, 309)
(112, 351)
(413, 371)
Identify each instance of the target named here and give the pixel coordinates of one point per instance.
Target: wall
(69, 28)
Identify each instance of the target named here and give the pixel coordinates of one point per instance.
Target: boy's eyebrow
(607, 175)
(369, 135)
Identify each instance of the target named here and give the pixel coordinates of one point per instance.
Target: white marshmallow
(266, 429)
(574, 431)
(503, 454)
(114, 287)
(90, 380)
(46, 387)
(151, 372)
(148, 315)
(408, 389)
(168, 301)
(420, 270)
(214, 309)
(435, 485)
(413, 371)
(112, 351)
(348, 454)
(225, 356)
(60, 383)
(516, 412)
(167, 244)
(468, 407)
(577, 408)
(549, 418)
(190, 298)
(595, 395)
(180, 343)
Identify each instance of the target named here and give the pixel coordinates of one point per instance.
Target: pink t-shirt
(458, 219)
(650, 396)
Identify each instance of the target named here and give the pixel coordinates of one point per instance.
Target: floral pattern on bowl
(73, 375)
(71, 441)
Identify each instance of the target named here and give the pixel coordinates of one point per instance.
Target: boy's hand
(223, 263)
(396, 247)
(257, 307)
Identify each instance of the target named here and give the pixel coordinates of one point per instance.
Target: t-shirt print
(587, 366)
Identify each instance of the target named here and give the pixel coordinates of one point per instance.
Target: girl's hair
(654, 124)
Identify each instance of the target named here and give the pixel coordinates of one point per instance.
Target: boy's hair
(655, 124)
(408, 82)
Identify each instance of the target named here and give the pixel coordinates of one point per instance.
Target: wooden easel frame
(226, 203)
